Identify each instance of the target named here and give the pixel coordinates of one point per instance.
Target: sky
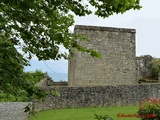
(146, 21)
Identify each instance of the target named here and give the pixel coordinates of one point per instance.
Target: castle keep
(117, 65)
(109, 81)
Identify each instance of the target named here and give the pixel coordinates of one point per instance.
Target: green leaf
(39, 27)
(95, 54)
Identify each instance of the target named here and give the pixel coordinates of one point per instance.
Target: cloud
(60, 66)
(146, 22)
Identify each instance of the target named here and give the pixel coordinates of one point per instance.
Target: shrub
(54, 93)
(100, 117)
(155, 68)
(34, 77)
(150, 109)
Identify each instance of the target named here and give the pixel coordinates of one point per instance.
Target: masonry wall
(159, 72)
(143, 67)
(119, 95)
(117, 65)
(14, 110)
(47, 82)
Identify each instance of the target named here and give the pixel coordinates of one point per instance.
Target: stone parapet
(100, 28)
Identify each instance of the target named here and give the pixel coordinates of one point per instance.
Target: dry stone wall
(118, 95)
(117, 65)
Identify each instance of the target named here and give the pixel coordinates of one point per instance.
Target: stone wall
(117, 65)
(99, 96)
(143, 67)
(159, 74)
(48, 82)
(13, 111)
(61, 83)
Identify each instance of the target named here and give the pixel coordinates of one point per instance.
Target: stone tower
(117, 65)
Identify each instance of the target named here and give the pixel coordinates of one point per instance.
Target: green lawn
(86, 113)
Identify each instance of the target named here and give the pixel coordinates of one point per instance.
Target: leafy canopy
(11, 69)
(155, 65)
(34, 77)
(39, 27)
(16, 85)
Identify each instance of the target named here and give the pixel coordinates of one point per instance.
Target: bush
(155, 68)
(100, 117)
(150, 109)
(34, 77)
(26, 92)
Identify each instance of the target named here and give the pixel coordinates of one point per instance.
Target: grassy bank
(86, 113)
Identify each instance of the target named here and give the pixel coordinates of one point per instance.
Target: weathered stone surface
(159, 74)
(117, 66)
(47, 82)
(99, 96)
(13, 111)
(109, 81)
(143, 67)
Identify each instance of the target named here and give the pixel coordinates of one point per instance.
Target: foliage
(11, 68)
(100, 117)
(13, 85)
(155, 68)
(54, 93)
(147, 81)
(152, 74)
(34, 77)
(150, 109)
(39, 28)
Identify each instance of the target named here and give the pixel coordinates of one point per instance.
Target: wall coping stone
(100, 28)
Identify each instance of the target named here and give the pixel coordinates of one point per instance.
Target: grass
(86, 113)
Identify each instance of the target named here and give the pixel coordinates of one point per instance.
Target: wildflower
(149, 100)
(155, 101)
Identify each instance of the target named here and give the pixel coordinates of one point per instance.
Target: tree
(16, 85)
(34, 77)
(39, 27)
(155, 68)
(11, 68)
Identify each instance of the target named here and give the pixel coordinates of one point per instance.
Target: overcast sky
(146, 22)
